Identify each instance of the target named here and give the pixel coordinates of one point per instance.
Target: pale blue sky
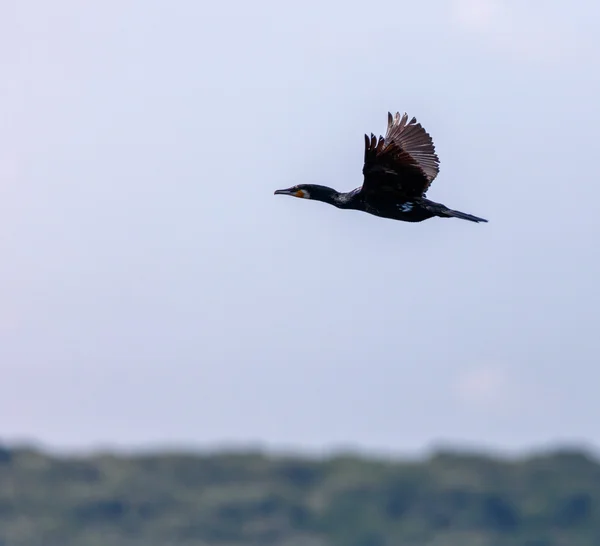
(155, 291)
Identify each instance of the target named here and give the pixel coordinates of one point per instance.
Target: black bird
(398, 171)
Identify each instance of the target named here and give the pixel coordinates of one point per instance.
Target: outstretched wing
(404, 162)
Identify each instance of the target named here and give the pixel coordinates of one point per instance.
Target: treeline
(235, 499)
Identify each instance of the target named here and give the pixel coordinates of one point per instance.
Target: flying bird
(398, 170)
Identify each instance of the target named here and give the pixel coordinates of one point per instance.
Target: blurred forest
(231, 499)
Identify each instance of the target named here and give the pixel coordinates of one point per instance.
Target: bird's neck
(327, 195)
(331, 196)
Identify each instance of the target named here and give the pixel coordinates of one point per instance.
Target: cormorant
(398, 170)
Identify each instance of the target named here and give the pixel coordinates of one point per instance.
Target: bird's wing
(403, 162)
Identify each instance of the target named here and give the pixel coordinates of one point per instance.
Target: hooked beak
(290, 191)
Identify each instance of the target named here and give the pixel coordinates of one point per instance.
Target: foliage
(235, 499)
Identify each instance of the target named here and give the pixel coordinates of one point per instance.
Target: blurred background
(187, 359)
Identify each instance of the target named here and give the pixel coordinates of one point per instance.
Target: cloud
(518, 29)
(483, 387)
(477, 15)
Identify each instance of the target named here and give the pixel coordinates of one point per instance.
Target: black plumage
(398, 170)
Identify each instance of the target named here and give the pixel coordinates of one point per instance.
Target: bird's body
(398, 170)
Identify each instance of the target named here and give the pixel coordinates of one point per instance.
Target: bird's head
(310, 191)
(302, 190)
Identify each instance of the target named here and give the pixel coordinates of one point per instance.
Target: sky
(156, 293)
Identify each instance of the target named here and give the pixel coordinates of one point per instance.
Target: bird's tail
(442, 210)
(462, 215)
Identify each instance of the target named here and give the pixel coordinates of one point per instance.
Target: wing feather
(404, 160)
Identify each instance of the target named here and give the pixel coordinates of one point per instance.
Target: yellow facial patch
(299, 193)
